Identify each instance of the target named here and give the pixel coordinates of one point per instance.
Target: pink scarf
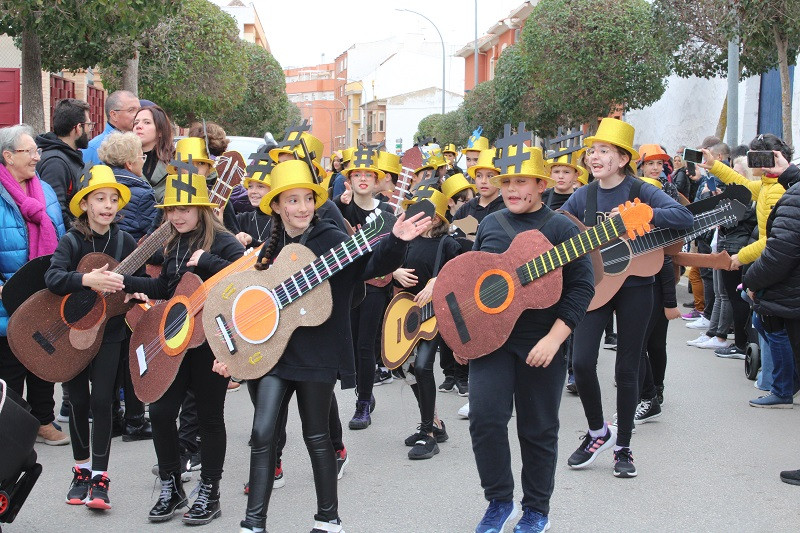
(42, 238)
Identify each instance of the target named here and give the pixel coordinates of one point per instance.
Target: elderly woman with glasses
(30, 226)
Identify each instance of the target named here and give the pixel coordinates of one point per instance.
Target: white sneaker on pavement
(699, 340)
(713, 343)
(464, 411)
(700, 323)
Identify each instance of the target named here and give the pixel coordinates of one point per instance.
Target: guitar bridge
(458, 318)
(44, 343)
(226, 336)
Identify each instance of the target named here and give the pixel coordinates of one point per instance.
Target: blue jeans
(765, 374)
(785, 378)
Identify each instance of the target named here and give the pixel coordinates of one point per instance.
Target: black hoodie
(61, 167)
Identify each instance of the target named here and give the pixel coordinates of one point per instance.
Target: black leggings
(366, 320)
(271, 395)
(102, 372)
(741, 310)
(632, 306)
(18, 378)
(134, 408)
(425, 388)
(653, 363)
(209, 388)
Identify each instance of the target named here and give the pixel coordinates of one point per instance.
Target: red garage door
(9, 97)
(97, 102)
(60, 88)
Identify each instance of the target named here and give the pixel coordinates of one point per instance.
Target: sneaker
(700, 323)
(193, 463)
(279, 481)
(571, 387)
(63, 413)
(341, 461)
(382, 376)
(79, 488)
(412, 439)
(424, 448)
(361, 418)
(714, 343)
(532, 522)
(448, 384)
(792, 477)
(138, 428)
(233, 386)
(589, 449)
(610, 342)
(623, 463)
(497, 515)
(699, 340)
(334, 526)
(186, 474)
(731, 352)
(398, 373)
(616, 425)
(694, 314)
(98, 493)
(440, 434)
(647, 410)
(464, 411)
(48, 434)
(770, 401)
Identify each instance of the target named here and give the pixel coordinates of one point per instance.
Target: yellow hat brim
(247, 181)
(583, 174)
(183, 204)
(589, 141)
(322, 195)
(379, 174)
(172, 170)
(495, 181)
(75, 203)
(475, 168)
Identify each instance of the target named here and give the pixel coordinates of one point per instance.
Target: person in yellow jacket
(765, 192)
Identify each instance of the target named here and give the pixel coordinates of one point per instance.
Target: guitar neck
(401, 188)
(427, 310)
(221, 193)
(144, 251)
(328, 264)
(662, 237)
(231, 175)
(571, 249)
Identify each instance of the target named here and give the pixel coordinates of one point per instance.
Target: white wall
(404, 112)
(407, 71)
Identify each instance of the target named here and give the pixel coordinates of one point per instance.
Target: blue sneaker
(770, 401)
(498, 514)
(532, 522)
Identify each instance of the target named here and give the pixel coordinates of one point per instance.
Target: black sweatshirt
(256, 224)
(554, 200)
(578, 277)
(61, 278)
(478, 211)
(421, 256)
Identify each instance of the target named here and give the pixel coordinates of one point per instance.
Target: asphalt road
(710, 463)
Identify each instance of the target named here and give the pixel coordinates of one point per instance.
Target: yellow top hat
(476, 143)
(455, 184)
(364, 159)
(652, 152)
(485, 161)
(187, 190)
(432, 157)
(293, 174)
(347, 154)
(314, 145)
(426, 192)
(531, 167)
(101, 176)
(389, 162)
(258, 177)
(614, 131)
(449, 149)
(653, 182)
(194, 146)
(564, 160)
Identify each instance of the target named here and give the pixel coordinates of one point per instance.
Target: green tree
(428, 126)
(513, 86)
(448, 128)
(265, 106)
(583, 58)
(480, 108)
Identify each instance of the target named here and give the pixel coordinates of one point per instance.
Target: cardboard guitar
(478, 296)
(250, 316)
(168, 329)
(645, 257)
(405, 323)
(56, 337)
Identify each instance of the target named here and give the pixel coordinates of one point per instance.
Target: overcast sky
(299, 32)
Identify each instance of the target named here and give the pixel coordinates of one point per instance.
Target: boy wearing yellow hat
(94, 230)
(449, 151)
(475, 145)
(608, 155)
(529, 370)
(254, 225)
(488, 199)
(200, 243)
(566, 176)
(458, 191)
(390, 164)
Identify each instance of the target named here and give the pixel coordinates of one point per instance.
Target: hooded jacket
(61, 167)
(139, 216)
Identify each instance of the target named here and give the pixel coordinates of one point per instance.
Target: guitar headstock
(636, 216)
(412, 158)
(737, 210)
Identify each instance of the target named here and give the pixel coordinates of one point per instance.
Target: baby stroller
(18, 467)
(752, 359)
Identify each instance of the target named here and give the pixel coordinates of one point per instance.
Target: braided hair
(266, 255)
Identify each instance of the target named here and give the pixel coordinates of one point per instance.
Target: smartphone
(690, 168)
(692, 156)
(711, 184)
(760, 159)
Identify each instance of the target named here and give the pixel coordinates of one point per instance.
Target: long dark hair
(164, 148)
(202, 237)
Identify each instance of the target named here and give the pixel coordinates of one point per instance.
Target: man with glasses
(61, 164)
(121, 108)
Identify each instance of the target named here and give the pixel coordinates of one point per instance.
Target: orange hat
(652, 152)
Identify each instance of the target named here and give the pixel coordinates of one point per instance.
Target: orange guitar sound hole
(494, 291)
(78, 310)
(177, 327)
(255, 314)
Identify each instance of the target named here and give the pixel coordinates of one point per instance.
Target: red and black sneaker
(591, 447)
(79, 488)
(98, 493)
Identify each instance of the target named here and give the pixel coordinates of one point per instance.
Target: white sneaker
(699, 340)
(700, 323)
(464, 411)
(714, 343)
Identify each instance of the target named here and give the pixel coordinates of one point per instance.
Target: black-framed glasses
(88, 125)
(33, 152)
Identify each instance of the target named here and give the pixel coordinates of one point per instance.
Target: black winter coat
(139, 216)
(61, 166)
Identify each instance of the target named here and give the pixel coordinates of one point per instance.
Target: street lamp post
(443, 52)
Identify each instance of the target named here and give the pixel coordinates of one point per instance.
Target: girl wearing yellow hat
(198, 243)
(608, 155)
(94, 230)
(254, 225)
(458, 191)
(488, 199)
(311, 362)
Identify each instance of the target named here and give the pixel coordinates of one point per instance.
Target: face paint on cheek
(528, 198)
